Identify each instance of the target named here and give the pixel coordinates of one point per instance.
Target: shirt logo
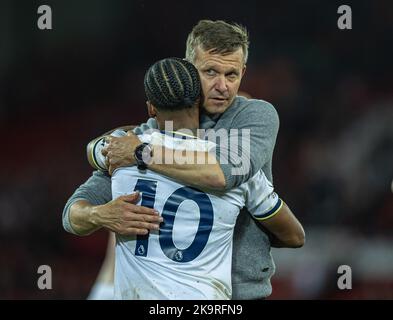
(179, 255)
(141, 250)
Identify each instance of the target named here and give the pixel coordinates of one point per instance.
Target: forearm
(208, 174)
(278, 243)
(285, 228)
(83, 218)
(288, 240)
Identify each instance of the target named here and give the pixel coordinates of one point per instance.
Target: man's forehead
(204, 58)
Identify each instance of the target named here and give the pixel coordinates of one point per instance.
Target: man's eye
(210, 72)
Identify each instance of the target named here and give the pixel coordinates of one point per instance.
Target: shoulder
(257, 106)
(257, 109)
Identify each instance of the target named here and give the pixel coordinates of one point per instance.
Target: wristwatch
(143, 155)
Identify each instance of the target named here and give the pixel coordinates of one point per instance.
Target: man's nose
(221, 84)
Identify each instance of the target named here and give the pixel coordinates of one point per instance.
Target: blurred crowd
(333, 90)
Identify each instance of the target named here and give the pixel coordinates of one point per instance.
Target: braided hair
(172, 84)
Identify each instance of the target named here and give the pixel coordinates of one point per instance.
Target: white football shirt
(190, 256)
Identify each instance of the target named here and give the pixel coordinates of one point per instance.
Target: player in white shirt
(190, 256)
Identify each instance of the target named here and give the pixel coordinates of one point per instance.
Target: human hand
(120, 151)
(123, 217)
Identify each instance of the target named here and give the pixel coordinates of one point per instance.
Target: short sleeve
(261, 200)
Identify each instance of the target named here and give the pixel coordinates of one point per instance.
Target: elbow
(215, 182)
(70, 225)
(220, 184)
(295, 239)
(298, 240)
(211, 177)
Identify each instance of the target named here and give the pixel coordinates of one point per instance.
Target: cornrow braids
(172, 84)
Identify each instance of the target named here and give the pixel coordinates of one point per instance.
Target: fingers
(109, 144)
(135, 212)
(112, 164)
(117, 151)
(108, 139)
(135, 231)
(132, 232)
(136, 228)
(133, 197)
(152, 218)
(107, 151)
(133, 227)
(141, 210)
(142, 225)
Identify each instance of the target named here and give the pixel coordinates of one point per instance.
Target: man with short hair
(219, 51)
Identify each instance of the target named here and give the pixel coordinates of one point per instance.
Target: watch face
(143, 154)
(146, 154)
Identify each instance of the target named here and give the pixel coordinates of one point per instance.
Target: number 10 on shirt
(148, 189)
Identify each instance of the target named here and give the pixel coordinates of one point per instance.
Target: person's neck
(184, 119)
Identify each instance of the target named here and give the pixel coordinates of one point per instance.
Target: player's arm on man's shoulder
(91, 207)
(260, 119)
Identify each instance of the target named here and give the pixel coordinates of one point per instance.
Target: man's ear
(244, 70)
(151, 110)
